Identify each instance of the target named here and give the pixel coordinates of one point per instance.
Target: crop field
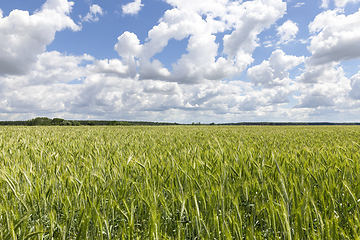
(180, 182)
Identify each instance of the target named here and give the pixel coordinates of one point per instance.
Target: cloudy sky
(180, 60)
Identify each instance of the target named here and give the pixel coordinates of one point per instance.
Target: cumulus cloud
(342, 3)
(316, 98)
(132, 8)
(200, 62)
(287, 32)
(317, 73)
(92, 16)
(128, 45)
(153, 70)
(110, 96)
(355, 87)
(129, 48)
(200, 22)
(32, 34)
(53, 67)
(338, 3)
(254, 16)
(157, 87)
(337, 37)
(326, 86)
(110, 66)
(274, 72)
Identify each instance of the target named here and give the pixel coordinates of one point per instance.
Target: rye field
(180, 182)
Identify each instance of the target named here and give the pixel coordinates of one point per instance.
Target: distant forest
(44, 121)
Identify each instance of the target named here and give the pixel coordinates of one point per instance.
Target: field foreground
(180, 182)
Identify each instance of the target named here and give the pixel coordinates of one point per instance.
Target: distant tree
(75, 123)
(113, 123)
(91, 123)
(40, 121)
(57, 121)
(66, 123)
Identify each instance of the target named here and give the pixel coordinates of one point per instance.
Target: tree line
(44, 121)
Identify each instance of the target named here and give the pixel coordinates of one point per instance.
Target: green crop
(180, 182)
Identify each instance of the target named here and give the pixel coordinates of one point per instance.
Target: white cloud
(267, 43)
(92, 16)
(53, 67)
(157, 87)
(107, 95)
(24, 36)
(275, 71)
(215, 7)
(132, 8)
(175, 24)
(200, 22)
(111, 67)
(287, 32)
(325, 4)
(324, 86)
(343, 3)
(337, 37)
(254, 16)
(315, 74)
(58, 6)
(199, 63)
(338, 3)
(299, 4)
(129, 47)
(153, 70)
(355, 87)
(318, 97)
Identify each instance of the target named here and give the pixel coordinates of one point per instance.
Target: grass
(180, 182)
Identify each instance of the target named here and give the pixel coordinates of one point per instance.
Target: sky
(181, 60)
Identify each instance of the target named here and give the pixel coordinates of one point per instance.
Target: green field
(180, 182)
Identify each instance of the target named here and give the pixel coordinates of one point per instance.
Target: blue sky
(181, 60)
